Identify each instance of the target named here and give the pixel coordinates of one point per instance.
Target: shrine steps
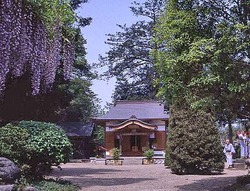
(132, 160)
(239, 164)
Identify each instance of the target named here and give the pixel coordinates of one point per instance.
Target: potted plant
(115, 160)
(149, 156)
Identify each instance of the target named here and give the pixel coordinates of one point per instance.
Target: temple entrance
(135, 142)
(133, 145)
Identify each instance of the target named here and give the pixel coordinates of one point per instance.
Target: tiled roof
(149, 109)
(77, 129)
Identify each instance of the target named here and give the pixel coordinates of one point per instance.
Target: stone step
(240, 166)
(132, 161)
(240, 160)
(138, 160)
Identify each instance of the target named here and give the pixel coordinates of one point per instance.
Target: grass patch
(55, 185)
(47, 185)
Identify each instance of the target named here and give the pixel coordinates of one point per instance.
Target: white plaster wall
(157, 122)
(161, 128)
(108, 129)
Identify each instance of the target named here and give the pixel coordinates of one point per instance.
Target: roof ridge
(138, 101)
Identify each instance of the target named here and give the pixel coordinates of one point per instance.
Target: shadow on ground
(86, 177)
(106, 182)
(209, 184)
(82, 171)
(147, 178)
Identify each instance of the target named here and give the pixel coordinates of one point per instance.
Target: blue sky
(106, 14)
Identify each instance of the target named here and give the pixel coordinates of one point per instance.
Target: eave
(133, 121)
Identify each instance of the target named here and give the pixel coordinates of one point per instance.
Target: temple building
(135, 126)
(81, 135)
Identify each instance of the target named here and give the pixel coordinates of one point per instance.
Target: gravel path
(99, 177)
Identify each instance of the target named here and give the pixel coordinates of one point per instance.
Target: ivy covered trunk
(193, 145)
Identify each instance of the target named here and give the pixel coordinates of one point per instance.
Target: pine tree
(129, 58)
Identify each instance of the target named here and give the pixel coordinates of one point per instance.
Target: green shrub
(46, 185)
(167, 156)
(34, 146)
(21, 183)
(13, 143)
(116, 153)
(149, 153)
(193, 143)
(47, 145)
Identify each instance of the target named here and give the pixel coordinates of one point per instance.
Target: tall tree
(129, 58)
(193, 144)
(205, 59)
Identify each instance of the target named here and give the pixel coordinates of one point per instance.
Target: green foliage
(54, 12)
(204, 59)
(46, 185)
(48, 144)
(176, 31)
(167, 161)
(55, 185)
(193, 142)
(13, 142)
(21, 183)
(129, 58)
(35, 146)
(116, 153)
(83, 101)
(149, 153)
(99, 135)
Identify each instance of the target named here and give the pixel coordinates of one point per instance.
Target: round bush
(13, 143)
(36, 144)
(47, 143)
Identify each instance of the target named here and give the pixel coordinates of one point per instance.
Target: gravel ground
(99, 177)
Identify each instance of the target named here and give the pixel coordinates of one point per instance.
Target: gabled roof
(77, 129)
(134, 121)
(146, 109)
